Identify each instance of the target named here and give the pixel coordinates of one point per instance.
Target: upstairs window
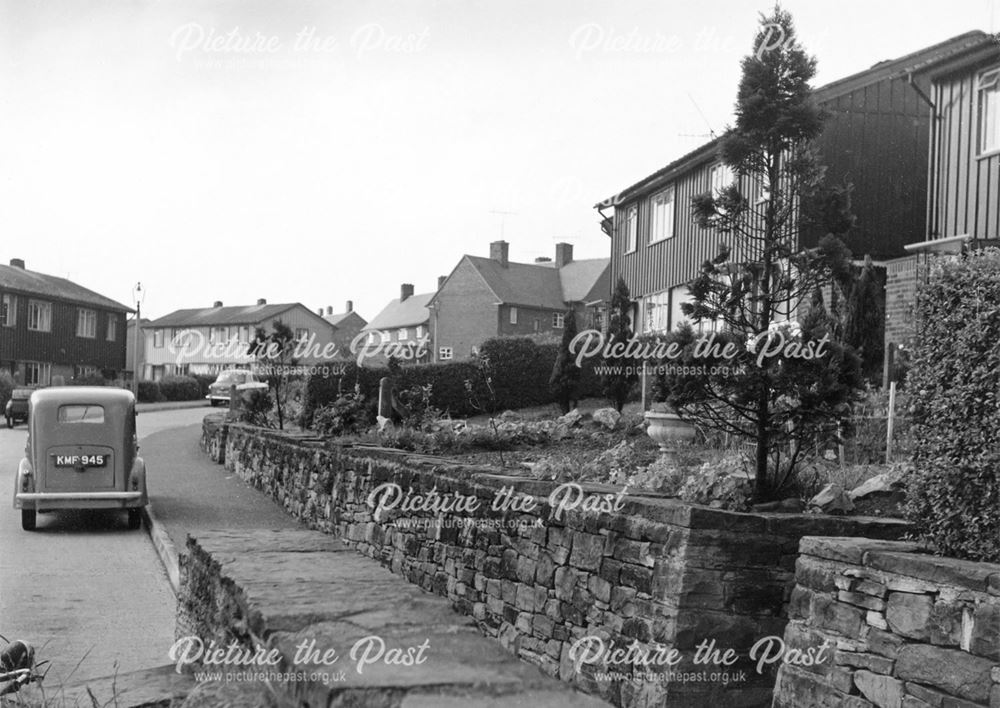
(719, 177)
(989, 111)
(403, 334)
(8, 311)
(301, 334)
(513, 315)
(158, 338)
(112, 331)
(662, 205)
(86, 324)
(631, 228)
(558, 320)
(39, 316)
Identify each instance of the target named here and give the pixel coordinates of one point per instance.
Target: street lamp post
(137, 296)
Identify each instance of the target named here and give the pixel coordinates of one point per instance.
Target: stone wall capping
(851, 550)
(934, 569)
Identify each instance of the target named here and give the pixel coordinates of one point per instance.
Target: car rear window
(232, 377)
(81, 414)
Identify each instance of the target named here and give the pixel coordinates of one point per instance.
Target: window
(83, 371)
(663, 215)
(39, 316)
(8, 311)
(420, 331)
(37, 373)
(157, 338)
(597, 319)
(403, 334)
(112, 332)
(513, 315)
(558, 320)
(245, 334)
(385, 337)
(217, 335)
(80, 414)
(86, 323)
(631, 228)
(989, 111)
(719, 177)
(444, 353)
(656, 313)
(301, 334)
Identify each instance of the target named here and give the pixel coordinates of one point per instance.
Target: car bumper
(217, 397)
(43, 501)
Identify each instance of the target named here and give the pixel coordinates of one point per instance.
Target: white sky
(133, 149)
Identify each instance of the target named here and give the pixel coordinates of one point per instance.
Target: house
(401, 330)
(347, 325)
(876, 138)
(209, 339)
(53, 330)
(963, 181)
(495, 297)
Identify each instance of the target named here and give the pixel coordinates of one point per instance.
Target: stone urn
(666, 428)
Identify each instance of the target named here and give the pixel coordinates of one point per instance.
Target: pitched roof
(922, 60)
(586, 280)
(410, 312)
(219, 316)
(49, 286)
(543, 284)
(338, 318)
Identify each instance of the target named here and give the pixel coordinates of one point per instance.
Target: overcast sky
(317, 152)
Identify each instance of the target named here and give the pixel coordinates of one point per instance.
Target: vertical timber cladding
(965, 188)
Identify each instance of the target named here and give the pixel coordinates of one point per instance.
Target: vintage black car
(82, 453)
(16, 410)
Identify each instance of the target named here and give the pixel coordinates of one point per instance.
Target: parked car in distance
(243, 379)
(82, 453)
(16, 410)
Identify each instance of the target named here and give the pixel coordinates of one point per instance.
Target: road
(89, 594)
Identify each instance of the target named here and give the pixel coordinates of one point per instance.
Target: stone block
(588, 550)
(525, 569)
(909, 615)
(799, 603)
(860, 599)
(985, 639)
(864, 660)
(525, 598)
(565, 579)
(816, 573)
(637, 577)
(599, 588)
(951, 670)
(936, 570)
(837, 617)
(885, 643)
(945, 624)
(883, 691)
(545, 570)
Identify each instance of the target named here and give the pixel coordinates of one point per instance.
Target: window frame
(558, 320)
(445, 353)
(512, 315)
(988, 143)
(8, 310)
(631, 228)
(111, 331)
(86, 323)
(39, 379)
(669, 219)
(39, 307)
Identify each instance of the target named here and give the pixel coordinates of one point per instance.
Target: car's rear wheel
(28, 519)
(213, 402)
(134, 518)
(10, 422)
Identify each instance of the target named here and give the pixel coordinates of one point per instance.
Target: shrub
(256, 408)
(6, 387)
(149, 392)
(204, 381)
(348, 415)
(180, 388)
(954, 495)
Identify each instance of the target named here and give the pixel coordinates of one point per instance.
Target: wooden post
(385, 398)
(890, 420)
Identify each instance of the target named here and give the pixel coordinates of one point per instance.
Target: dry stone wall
(570, 594)
(900, 629)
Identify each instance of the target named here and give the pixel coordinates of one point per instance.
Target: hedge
(519, 370)
(6, 387)
(954, 495)
(180, 388)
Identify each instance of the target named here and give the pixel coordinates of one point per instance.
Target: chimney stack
(564, 254)
(405, 291)
(17, 263)
(261, 301)
(498, 252)
(319, 312)
(350, 306)
(441, 279)
(217, 303)
(329, 309)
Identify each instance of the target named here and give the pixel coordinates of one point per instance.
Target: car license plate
(81, 460)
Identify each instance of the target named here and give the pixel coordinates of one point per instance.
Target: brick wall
(656, 574)
(900, 628)
(467, 313)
